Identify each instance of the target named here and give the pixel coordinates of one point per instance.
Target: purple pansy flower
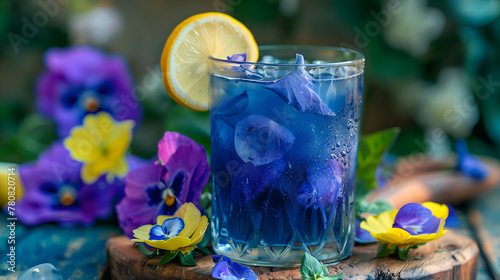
(82, 80)
(416, 219)
(56, 193)
(468, 164)
(228, 270)
(161, 188)
(296, 89)
(260, 140)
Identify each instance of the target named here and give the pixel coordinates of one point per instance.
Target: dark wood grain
(455, 258)
(484, 216)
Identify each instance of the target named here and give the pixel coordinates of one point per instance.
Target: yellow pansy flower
(182, 231)
(100, 143)
(408, 227)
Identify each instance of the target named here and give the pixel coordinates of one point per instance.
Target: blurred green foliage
(470, 39)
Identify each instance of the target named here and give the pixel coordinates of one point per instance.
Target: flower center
(67, 195)
(91, 104)
(168, 196)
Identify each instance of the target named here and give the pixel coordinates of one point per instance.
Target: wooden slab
(484, 217)
(453, 256)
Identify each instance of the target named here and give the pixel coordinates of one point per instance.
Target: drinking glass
(284, 135)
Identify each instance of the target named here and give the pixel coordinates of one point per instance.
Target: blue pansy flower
(170, 228)
(82, 80)
(296, 89)
(261, 140)
(229, 270)
(468, 164)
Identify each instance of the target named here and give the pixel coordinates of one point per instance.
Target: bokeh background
(432, 67)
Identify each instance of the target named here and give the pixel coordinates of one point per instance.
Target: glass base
(283, 256)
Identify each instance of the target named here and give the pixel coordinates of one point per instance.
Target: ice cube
(45, 271)
(261, 140)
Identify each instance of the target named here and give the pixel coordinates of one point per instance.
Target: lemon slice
(184, 60)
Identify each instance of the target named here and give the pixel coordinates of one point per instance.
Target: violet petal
(416, 219)
(362, 235)
(238, 57)
(296, 89)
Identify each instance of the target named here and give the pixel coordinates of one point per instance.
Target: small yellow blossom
(194, 227)
(381, 227)
(100, 143)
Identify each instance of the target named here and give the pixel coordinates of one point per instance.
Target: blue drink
(284, 147)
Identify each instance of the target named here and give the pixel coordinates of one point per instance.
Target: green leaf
(384, 250)
(206, 238)
(144, 250)
(377, 207)
(403, 253)
(203, 249)
(330, 277)
(371, 149)
(205, 200)
(168, 257)
(310, 267)
(187, 259)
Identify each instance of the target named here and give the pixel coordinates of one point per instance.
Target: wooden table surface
(79, 253)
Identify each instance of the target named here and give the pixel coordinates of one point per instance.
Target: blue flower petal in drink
(223, 133)
(325, 180)
(316, 198)
(238, 57)
(260, 140)
(233, 105)
(253, 180)
(296, 89)
(416, 219)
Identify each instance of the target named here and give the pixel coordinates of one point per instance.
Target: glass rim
(360, 57)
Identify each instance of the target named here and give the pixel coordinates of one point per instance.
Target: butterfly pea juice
(284, 140)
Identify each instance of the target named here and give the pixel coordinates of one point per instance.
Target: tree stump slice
(453, 256)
